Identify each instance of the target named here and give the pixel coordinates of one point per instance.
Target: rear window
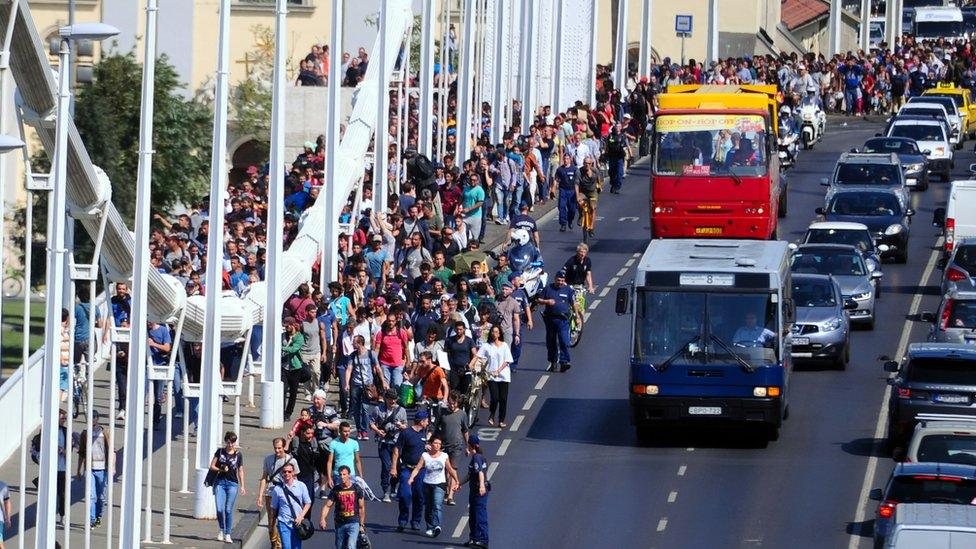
(857, 238)
(956, 98)
(867, 174)
(966, 257)
(931, 489)
(890, 146)
(918, 132)
(961, 313)
(948, 448)
(942, 370)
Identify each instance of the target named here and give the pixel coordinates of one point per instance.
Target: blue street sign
(682, 24)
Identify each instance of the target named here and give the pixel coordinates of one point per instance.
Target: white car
(930, 135)
(943, 438)
(933, 106)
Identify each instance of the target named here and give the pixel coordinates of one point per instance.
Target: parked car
(947, 439)
(959, 269)
(931, 135)
(822, 329)
(955, 319)
(884, 212)
(921, 483)
(848, 268)
(913, 162)
(932, 526)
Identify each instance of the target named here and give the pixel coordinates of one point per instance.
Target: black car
(883, 211)
(913, 162)
(933, 378)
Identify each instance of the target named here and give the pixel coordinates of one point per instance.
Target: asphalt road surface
(568, 472)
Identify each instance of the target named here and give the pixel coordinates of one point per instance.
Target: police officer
(478, 494)
(406, 454)
(566, 176)
(559, 302)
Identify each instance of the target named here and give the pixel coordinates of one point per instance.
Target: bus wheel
(782, 204)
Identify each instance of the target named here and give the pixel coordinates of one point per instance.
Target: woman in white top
(437, 470)
(497, 355)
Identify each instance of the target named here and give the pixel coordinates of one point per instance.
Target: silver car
(955, 320)
(959, 269)
(847, 266)
(822, 329)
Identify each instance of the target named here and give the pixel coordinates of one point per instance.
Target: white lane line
(622, 271)
(672, 496)
(595, 304)
(662, 524)
(504, 447)
(542, 382)
(517, 423)
(586, 316)
(528, 403)
(681, 470)
(690, 449)
(630, 262)
(636, 255)
(872, 469)
(460, 527)
(491, 469)
(605, 291)
(613, 281)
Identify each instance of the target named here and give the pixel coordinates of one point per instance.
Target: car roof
(915, 119)
(827, 248)
(861, 189)
(914, 105)
(932, 468)
(890, 138)
(838, 225)
(942, 350)
(936, 516)
(868, 158)
(944, 425)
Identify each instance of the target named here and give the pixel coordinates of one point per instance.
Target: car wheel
(870, 323)
(782, 204)
(902, 256)
(840, 363)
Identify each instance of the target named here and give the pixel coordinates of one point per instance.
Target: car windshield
(850, 173)
(959, 313)
(952, 371)
(690, 322)
(813, 293)
(702, 145)
(965, 257)
(947, 448)
(865, 204)
(931, 489)
(828, 262)
(946, 102)
(897, 146)
(956, 98)
(918, 132)
(859, 238)
(919, 110)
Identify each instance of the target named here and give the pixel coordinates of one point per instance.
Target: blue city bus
(710, 331)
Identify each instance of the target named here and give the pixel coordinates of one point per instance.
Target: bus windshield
(710, 328)
(711, 145)
(938, 29)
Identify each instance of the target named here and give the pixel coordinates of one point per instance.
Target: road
(569, 472)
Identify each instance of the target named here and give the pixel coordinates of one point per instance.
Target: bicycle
(576, 322)
(587, 219)
(80, 391)
(476, 391)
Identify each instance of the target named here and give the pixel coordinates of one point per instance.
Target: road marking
(662, 524)
(672, 496)
(528, 403)
(630, 262)
(586, 316)
(636, 255)
(613, 281)
(460, 527)
(605, 291)
(517, 423)
(504, 446)
(629, 218)
(681, 470)
(690, 450)
(595, 304)
(622, 271)
(859, 515)
(489, 434)
(542, 382)
(491, 469)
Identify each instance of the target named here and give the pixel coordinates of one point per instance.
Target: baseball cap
(473, 440)
(561, 273)
(310, 145)
(377, 238)
(421, 415)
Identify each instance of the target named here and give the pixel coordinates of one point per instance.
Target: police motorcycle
(526, 260)
(788, 140)
(813, 120)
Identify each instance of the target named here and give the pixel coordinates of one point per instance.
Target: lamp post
(47, 490)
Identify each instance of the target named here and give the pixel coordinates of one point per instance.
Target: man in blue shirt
(560, 303)
(409, 447)
(852, 83)
(160, 344)
(566, 176)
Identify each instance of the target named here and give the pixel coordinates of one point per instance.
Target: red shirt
(391, 347)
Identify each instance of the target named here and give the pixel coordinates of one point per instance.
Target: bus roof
(714, 256)
(731, 97)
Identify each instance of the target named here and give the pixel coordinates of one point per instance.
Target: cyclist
(579, 268)
(587, 188)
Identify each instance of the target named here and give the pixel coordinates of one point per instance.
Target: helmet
(811, 89)
(785, 111)
(520, 237)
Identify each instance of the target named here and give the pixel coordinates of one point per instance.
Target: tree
(107, 116)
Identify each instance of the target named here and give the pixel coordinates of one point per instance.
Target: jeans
(502, 199)
(410, 498)
(225, 492)
(358, 406)
(516, 351)
(567, 207)
(478, 516)
(347, 535)
(385, 451)
(393, 375)
(97, 495)
(289, 537)
(557, 339)
(515, 200)
(616, 166)
(434, 503)
(850, 100)
(343, 394)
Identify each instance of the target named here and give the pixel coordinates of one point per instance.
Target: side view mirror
(824, 181)
(854, 149)
(820, 211)
(883, 248)
(909, 212)
(792, 246)
(875, 494)
(891, 366)
(972, 168)
(927, 316)
(939, 217)
(926, 152)
(877, 135)
(622, 305)
(850, 304)
(875, 275)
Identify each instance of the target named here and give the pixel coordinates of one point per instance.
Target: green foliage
(107, 116)
(250, 99)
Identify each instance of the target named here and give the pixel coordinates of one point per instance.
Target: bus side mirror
(622, 305)
(938, 217)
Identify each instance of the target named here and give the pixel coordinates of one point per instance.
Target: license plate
(911, 182)
(708, 230)
(952, 399)
(801, 341)
(705, 410)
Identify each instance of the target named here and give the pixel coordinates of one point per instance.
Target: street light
(55, 274)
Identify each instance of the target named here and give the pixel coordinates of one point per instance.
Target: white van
(932, 526)
(958, 218)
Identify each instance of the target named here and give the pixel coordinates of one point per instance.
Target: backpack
(494, 315)
(422, 168)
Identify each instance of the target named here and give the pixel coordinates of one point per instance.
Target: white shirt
(497, 355)
(435, 468)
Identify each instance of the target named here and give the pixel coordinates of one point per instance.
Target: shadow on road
(866, 447)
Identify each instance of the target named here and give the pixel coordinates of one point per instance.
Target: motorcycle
(813, 122)
(788, 148)
(525, 258)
